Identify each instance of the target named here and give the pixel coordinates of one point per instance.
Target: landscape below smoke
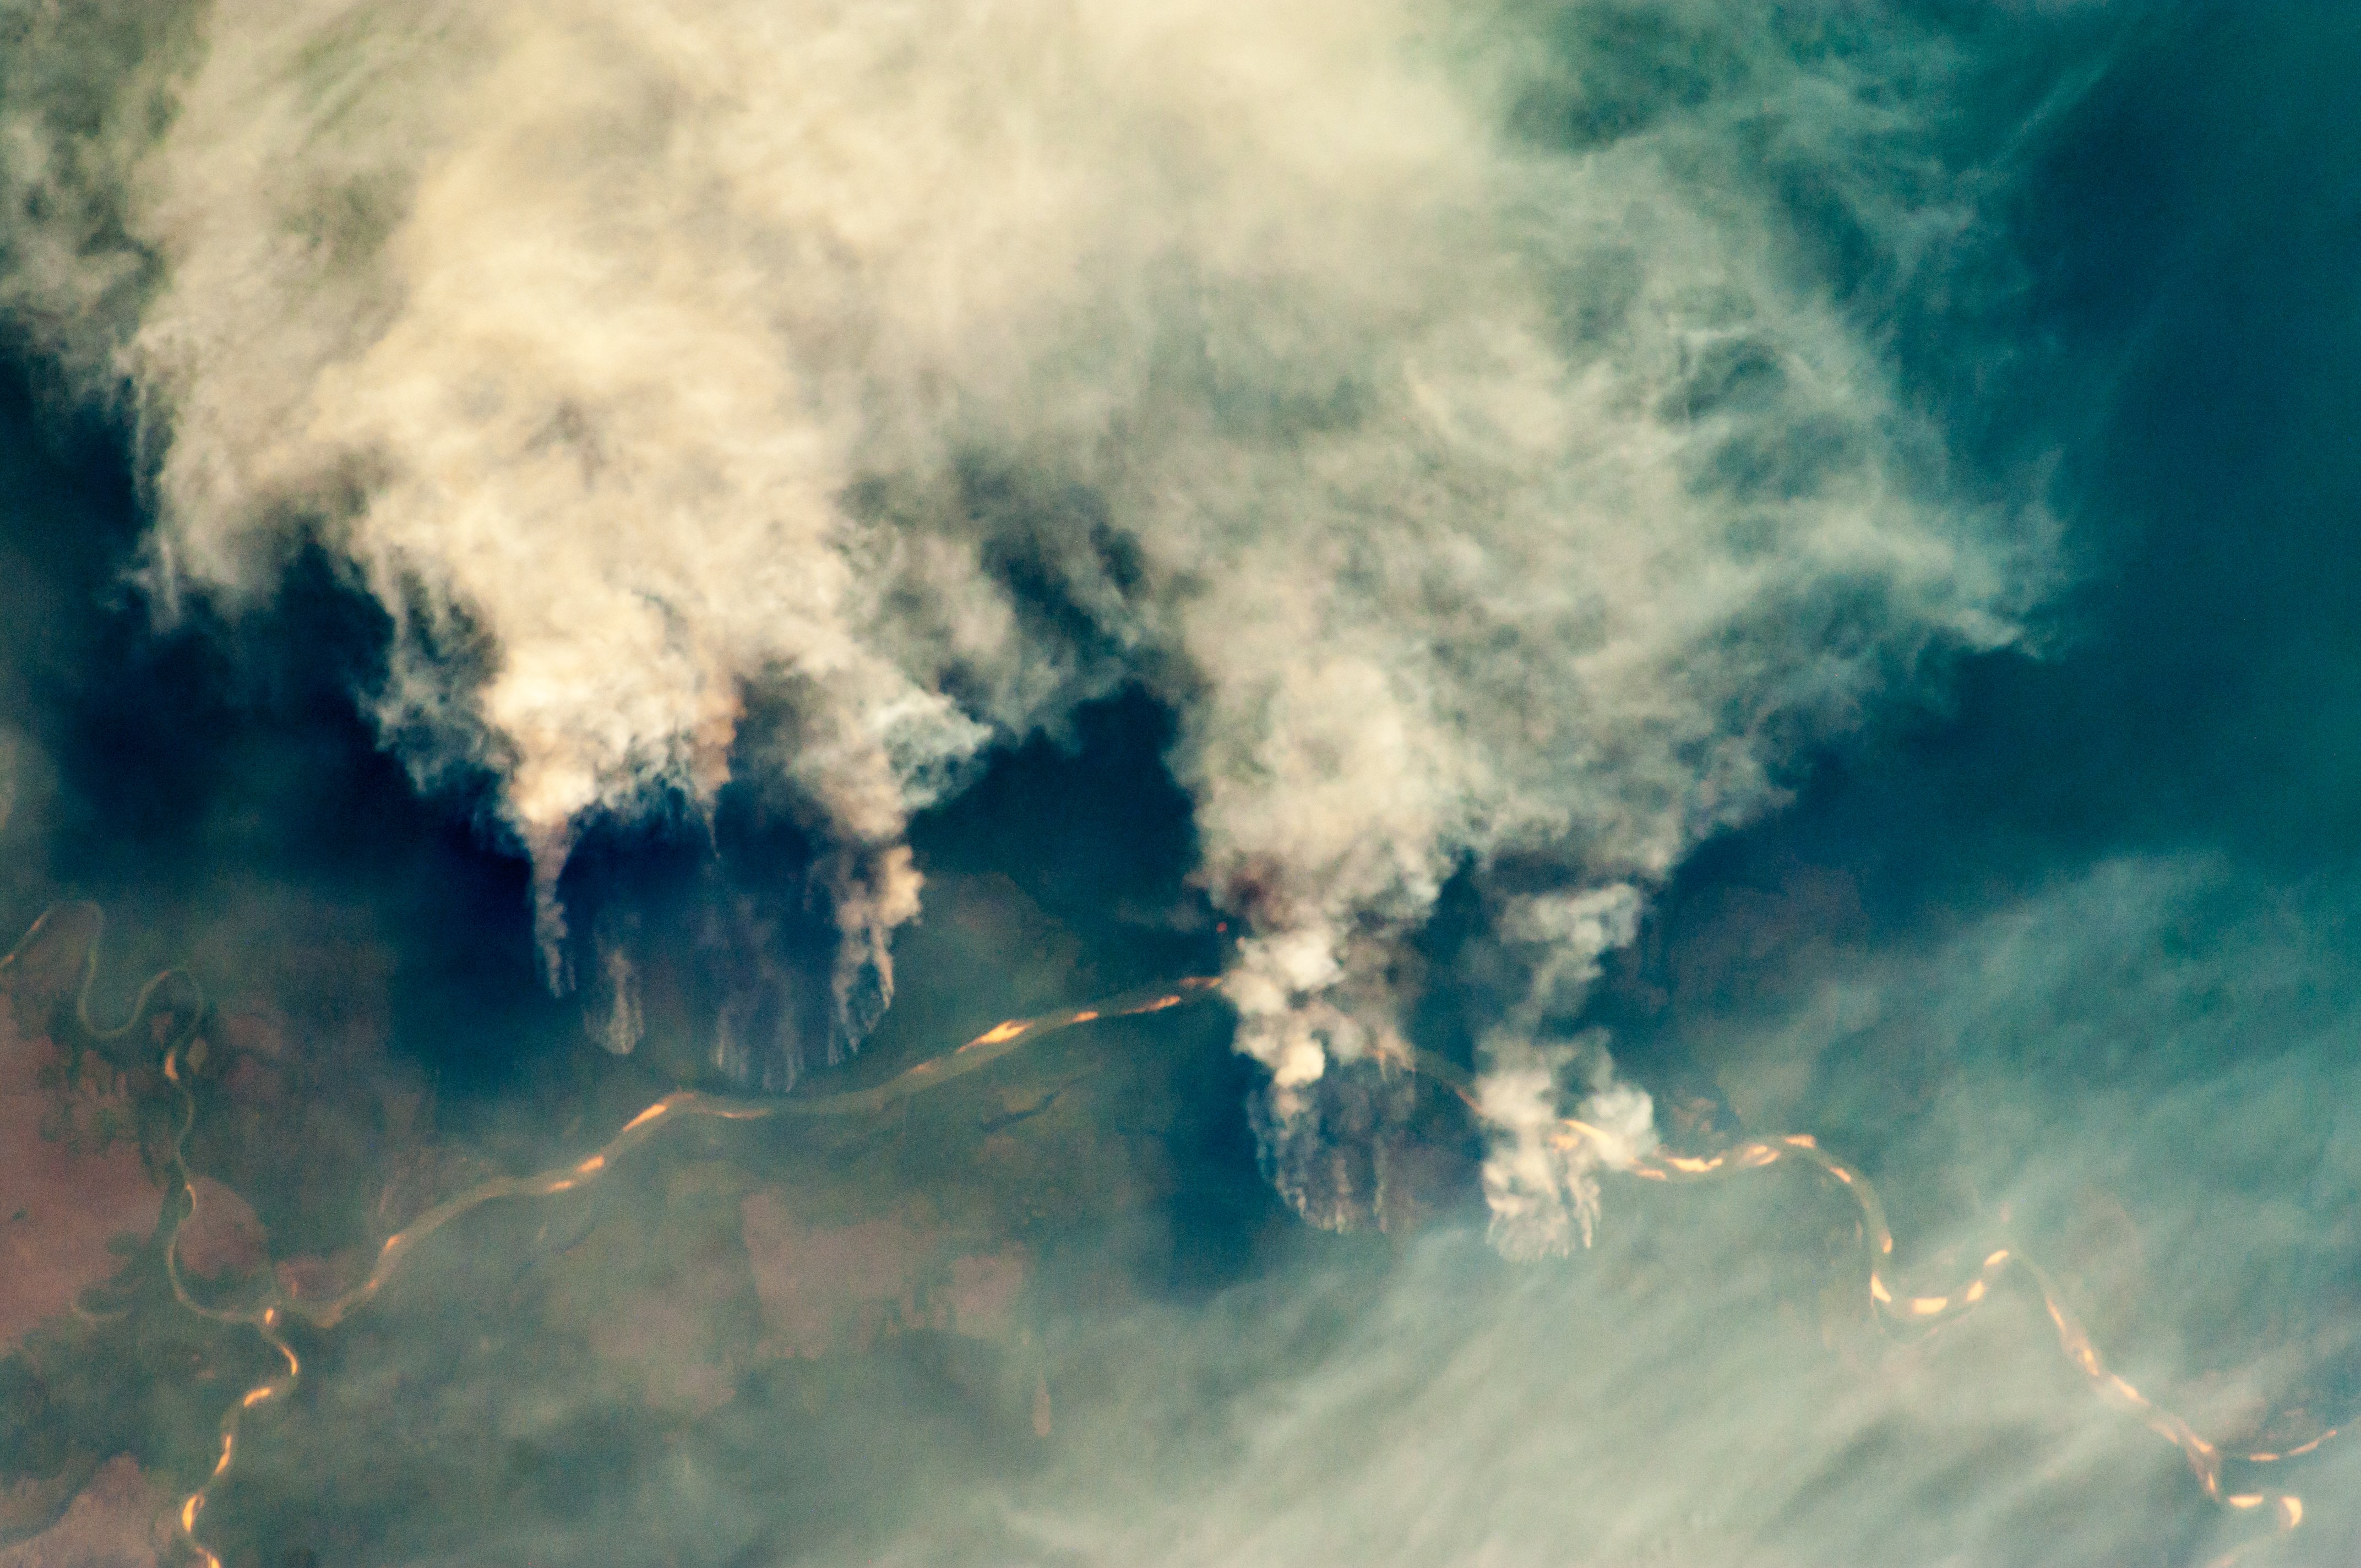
(1487, 607)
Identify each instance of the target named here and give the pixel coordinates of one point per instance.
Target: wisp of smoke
(1439, 409)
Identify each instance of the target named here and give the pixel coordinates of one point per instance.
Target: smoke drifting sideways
(1702, 1388)
(1475, 424)
(2167, 1029)
(2069, 964)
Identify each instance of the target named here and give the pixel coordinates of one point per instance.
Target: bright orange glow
(1000, 1032)
(1088, 1014)
(1878, 1292)
(1928, 1306)
(645, 1117)
(596, 1162)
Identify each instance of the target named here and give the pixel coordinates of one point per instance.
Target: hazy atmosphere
(1127, 783)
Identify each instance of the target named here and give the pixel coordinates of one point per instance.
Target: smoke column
(1435, 407)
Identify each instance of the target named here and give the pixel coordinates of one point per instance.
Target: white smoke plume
(1430, 403)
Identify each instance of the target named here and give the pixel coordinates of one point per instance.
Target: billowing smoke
(1437, 408)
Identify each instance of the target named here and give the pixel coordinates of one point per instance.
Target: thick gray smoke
(1432, 407)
